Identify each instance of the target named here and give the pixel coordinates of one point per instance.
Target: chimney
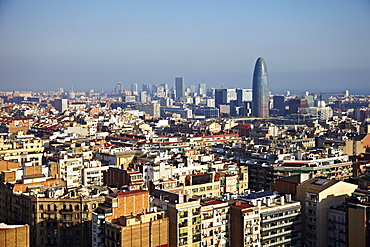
(259, 203)
(288, 197)
(268, 201)
(282, 200)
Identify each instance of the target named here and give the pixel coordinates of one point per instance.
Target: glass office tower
(260, 102)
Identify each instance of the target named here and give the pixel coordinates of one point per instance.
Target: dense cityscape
(184, 165)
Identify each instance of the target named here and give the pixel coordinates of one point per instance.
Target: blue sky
(319, 46)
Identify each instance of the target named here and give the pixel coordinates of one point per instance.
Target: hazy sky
(318, 46)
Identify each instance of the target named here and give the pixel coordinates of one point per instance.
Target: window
(41, 207)
(85, 216)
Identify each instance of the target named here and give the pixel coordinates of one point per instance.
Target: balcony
(196, 220)
(196, 230)
(196, 211)
(183, 224)
(207, 216)
(280, 234)
(66, 211)
(281, 217)
(206, 226)
(282, 242)
(183, 241)
(184, 215)
(196, 238)
(207, 235)
(281, 225)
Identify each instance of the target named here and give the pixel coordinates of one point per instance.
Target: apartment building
(215, 223)
(280, 223)
(243, 179)
(24, 150)
(204, 185)
(53, 220)
(131, 179)
(70, 169)
(337, 167)
(260, 175)
(358, 208)
(316, 195)
(269, 220)
(229, 182)
(185, 224)
(337, 231)
(263, 171)
(114, 207)
(94, 175)
(145, 229)
(245, 225)
(14, 235)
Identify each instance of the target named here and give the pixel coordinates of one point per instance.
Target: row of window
(76, 207)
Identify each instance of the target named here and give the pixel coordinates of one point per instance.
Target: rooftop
(129, 193)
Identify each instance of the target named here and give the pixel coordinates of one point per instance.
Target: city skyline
(316, 46)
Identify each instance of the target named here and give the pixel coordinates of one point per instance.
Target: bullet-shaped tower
(260, 101)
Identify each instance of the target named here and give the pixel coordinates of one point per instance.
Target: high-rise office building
(202, 88)
(180, 88)
(161, 90)
(279, 104)
(61, 104)
(224, 96)
(146, 88)
(118, 88)
(260, 90)
(192, 88)
(134, 88)
(243, 95)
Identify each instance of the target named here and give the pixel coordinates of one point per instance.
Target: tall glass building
(179, 87)
(261, 95)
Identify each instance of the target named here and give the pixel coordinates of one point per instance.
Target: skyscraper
(118, 88)
(179, 87)
(260, 90)
(134, 88)
(61, 105)
(202, 88)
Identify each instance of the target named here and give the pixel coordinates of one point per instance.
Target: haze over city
(319, 46)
